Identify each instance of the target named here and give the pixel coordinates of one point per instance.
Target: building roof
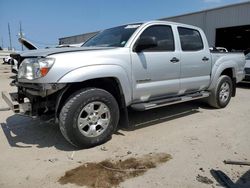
(90, 33)
(208, 10)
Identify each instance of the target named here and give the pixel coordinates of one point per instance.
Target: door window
(163, 35)
(190, 39)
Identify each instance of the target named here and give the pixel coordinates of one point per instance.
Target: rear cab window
(190, 39)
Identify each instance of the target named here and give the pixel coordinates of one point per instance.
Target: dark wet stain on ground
(204, 179)
(110, 173)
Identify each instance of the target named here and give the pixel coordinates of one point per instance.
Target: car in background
(218, 49)
(31, 46)
(13, 62)
(221, 49)
(247, 68)
(7, 59)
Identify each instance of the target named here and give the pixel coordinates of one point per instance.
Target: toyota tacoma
(87, 90)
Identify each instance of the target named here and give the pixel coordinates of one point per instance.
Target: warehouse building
(227, 26)
(76, 39)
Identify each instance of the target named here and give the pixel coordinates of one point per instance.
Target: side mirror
(145, 43)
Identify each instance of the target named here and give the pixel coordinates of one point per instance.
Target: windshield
(114, 37)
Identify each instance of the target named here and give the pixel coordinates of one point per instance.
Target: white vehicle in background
(30, 46)
(247, 68)
(7, 59)
(221, 49)
(13, 62)
(218, 49)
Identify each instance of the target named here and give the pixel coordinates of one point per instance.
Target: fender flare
(218, 68)
(101, 71)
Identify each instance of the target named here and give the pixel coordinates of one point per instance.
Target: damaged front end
(33, 98)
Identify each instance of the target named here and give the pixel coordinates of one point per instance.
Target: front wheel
(222, 92)
(89, 117)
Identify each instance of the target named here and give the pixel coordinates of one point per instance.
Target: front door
(156, 70)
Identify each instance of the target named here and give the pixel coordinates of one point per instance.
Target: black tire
(73, 110)
(214, 99)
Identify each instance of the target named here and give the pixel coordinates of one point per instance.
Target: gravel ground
(199, 139)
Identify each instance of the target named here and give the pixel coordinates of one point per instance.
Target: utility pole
(21, 33)
(9, 36)
(2, 42)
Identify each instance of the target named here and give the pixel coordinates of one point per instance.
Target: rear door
(195, 60)
(155, 71)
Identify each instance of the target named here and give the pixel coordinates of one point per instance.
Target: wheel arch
(226, 68)
(110, 84)
(87, 73)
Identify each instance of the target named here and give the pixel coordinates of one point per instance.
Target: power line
(2, 42)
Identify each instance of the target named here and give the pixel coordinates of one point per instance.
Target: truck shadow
(244, 85)
(224, 181)
(25, 132)
(138, 120)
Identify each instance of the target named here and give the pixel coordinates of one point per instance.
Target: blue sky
(44, 21)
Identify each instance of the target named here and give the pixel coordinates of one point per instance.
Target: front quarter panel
(79, 66)
(100, 71)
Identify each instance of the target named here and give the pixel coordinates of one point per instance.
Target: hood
(27, 44)
(50, 51)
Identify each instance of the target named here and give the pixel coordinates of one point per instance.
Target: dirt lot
(198, 139)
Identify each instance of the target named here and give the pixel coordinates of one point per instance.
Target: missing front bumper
(11, 100)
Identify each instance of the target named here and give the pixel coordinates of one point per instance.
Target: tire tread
(65, 111)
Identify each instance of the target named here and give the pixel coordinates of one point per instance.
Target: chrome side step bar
(169, 101)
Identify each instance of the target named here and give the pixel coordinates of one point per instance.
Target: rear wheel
(89, 117)
(222, 93)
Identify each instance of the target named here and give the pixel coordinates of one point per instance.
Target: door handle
(174, 60)
(205, 59)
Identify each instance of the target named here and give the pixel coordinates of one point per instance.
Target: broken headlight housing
(33, 68)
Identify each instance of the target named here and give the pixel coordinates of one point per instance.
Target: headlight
(32, 68)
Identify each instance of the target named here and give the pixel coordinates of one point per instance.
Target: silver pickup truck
(142, 66)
